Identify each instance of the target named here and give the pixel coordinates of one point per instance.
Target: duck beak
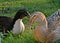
(28, 15)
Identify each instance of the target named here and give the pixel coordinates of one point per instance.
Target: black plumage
(5, 24)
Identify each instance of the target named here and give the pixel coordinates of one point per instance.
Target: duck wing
(5, 23)
(54, 20)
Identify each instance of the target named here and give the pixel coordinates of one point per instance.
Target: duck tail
(54, 36)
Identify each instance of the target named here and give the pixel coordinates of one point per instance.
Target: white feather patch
(18, 27)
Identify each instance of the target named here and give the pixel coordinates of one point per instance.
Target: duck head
(37, 17)
(21, 13)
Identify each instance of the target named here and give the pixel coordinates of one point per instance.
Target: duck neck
(43, 23)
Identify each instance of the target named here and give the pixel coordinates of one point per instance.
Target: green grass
(45, 6)
(25, 37)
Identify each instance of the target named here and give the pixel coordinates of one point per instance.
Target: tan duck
(42, 32)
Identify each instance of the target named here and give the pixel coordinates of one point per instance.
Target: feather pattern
(48, 30)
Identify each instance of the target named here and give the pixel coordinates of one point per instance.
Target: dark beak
(28, 15)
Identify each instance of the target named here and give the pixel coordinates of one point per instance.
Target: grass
(45, 6)
(23, 38)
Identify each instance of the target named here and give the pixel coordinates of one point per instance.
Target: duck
(15, 24)
(42, 31)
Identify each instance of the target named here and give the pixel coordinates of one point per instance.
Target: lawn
(45, 6)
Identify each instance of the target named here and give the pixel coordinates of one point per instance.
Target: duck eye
(34, 15)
